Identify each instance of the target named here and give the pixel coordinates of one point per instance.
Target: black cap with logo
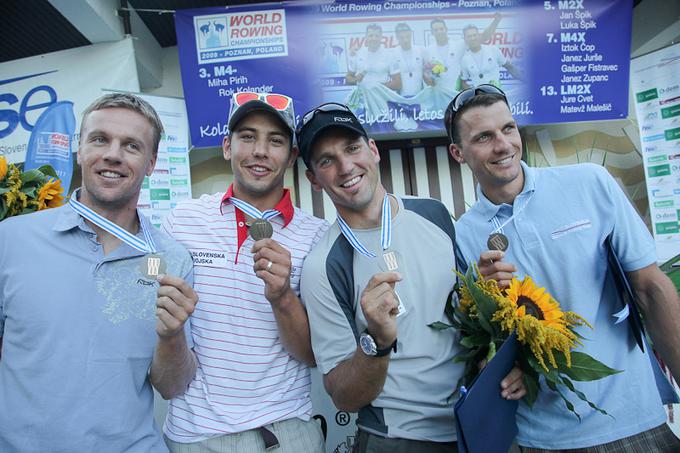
(325, 116)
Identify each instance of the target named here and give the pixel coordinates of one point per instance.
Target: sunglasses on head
(466, 96)
(278, 101)
(327, 107)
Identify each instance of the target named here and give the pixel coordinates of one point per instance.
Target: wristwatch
(370, 348)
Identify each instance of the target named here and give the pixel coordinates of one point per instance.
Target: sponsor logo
(653, 138)
(658, 193)
(240, 36)
(669, 90)
(36, 99)
(665, 216)
(664, 204)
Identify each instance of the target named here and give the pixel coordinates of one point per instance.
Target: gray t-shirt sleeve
(332, 335)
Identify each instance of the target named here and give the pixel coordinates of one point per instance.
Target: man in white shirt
(449, 52)
(482, 63)
(410, 59)
(372, 64)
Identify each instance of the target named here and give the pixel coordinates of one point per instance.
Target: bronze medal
(498, 241)
(152, 266)
(260, 229)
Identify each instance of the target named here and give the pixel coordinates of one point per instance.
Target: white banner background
(655, 81)
(170, 181)
(30, 85)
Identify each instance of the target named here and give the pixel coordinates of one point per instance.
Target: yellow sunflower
(3, 167)
(50, 195)
(538, 320)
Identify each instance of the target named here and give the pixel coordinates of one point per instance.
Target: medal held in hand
(260, 229)
(498, 241)
(390, 261)
(152, 266)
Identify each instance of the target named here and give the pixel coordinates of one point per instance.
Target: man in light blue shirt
(88, 321)
(556, 221)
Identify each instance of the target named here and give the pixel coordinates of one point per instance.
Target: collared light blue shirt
(562, 217)
(78, 331)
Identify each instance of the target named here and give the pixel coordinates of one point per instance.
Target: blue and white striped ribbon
(252, 211)
(498, 226)
(385, 230)
(147, 246)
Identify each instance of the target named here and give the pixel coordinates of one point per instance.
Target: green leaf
(583, 367)
(467, 354)
(567, 403)
(550, 375)
(582, 396)
(32, 175)
(47, 170)
(475, 339)
(492, 351)
(31, 192)
(438, 325)
(486, 306)
(533, 387)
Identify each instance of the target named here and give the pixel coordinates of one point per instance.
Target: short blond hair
(131, 102)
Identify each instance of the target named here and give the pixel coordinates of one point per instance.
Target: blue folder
(628, 298)
(485, 421)
(626, 294)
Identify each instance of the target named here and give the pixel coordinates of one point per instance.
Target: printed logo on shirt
(573, 227)
(209, 258)
(141, 281)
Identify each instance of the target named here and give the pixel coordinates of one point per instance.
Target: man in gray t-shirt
(371, 286)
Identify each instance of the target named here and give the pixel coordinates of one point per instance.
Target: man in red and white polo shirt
(250, 331)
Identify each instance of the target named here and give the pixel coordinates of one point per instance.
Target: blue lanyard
(385, 230)
(252, 211)
(498, 226)
(147, 246)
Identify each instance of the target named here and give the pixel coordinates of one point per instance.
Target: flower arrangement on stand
(486, 316)
(23, 192)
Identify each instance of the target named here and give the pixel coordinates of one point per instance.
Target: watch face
(368, 345)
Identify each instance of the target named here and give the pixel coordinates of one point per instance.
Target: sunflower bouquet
(436, 68)
(486, 316)
(22, 192)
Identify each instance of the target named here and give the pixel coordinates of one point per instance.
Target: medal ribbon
(147, 245)
(497, 223)
(385, 230)
(252, 211)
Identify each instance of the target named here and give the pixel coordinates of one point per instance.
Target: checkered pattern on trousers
(658, 440)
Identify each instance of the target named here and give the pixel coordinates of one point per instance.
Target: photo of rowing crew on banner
(398, 75)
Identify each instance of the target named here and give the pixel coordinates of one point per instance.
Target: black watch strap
(385, 351)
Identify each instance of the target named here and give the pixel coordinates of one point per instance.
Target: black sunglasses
(327, 107)
(464, 97)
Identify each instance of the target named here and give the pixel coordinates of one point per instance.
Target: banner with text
(655, 80)
(170, 181)
(398, 63)
(31, 85)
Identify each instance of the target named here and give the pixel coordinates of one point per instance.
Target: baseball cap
(325, 116)
(245, 102)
